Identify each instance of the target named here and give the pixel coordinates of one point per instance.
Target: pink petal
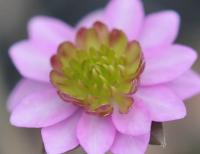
(61, 137)
(127, 15)
(127, 144)
(186, 85)
(169, 65)
(49, 31)
(89, 19)
(41, 109)
(95, 134)
(24, 88)
(162, 104)
(136, 122)
(31, 60)
(160, 29)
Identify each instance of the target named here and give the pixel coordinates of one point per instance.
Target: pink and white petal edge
(49, 30)
(187, 85)
(30, 60)
(168, 65)
(162, 104)
(157, 32)
(24, 88)
(61, 137)
(95, 134)
(41, 109)
(136, 122)
(127, 144)
(127, 16)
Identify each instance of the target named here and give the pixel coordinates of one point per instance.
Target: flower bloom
(101, 84)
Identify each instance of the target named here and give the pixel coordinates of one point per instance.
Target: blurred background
(182, 137)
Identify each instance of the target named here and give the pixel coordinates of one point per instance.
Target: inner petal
(99, 71)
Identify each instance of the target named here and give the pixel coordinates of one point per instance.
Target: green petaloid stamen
(101, 70)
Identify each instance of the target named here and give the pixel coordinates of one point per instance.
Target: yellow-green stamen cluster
(99, 71)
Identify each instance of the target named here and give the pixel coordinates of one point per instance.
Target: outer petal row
(152, 31)
(36, 110)
(56, 32)
(39, 108)
(96, 135)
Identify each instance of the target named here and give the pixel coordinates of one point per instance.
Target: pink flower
(159, 90)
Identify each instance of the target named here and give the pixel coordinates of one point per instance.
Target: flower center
(99, 71)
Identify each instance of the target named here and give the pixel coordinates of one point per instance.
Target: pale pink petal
(31, 61)
(160, 29)
(61, 137)
(127, 144)
(169, 65)
(127, 16)
(186, 86)
(162, 104)
(136, 122)
(24, 88)
(96, 134)
(41, 109)
(49, 31)
(89, 19)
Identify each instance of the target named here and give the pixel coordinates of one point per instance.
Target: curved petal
(49, 31)
(127, 15)
(162, 104)
(127, 144)
(89, 19)
(41, 109)
(186, 85)
(95, 134)
(136, 122)
(160, 29)
(169, 65)
(61, 137)
(31, 61)
(24, 88)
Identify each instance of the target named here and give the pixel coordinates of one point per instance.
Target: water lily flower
(100, 85)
